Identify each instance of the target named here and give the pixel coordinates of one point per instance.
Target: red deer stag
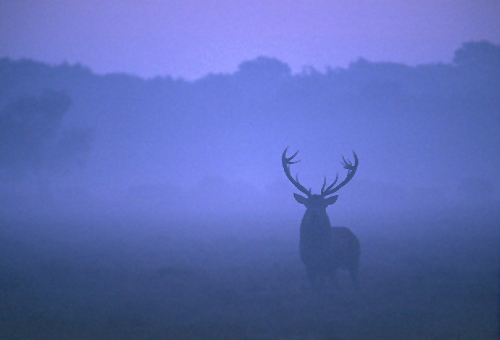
(324, 248)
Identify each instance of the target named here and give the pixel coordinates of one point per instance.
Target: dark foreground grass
(108, 278)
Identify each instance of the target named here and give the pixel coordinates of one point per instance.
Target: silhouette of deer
(323, 248)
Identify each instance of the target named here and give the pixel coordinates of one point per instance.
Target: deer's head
(324, 199)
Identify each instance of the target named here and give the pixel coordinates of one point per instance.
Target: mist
(158, 208)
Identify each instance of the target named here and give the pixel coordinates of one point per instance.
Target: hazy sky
(190, 38)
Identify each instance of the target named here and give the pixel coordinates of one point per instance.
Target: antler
(286, 162)
(351, 170)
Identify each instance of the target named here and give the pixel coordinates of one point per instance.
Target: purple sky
(189, 38)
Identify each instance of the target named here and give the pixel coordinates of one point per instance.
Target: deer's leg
(333, 276)
(317, 277)
(353, 272)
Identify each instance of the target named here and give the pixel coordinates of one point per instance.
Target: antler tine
(323, 190)
(286, 162)
(289, 159)
(351, 170)
(345, 163)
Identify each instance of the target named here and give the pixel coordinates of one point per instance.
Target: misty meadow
(158, 208)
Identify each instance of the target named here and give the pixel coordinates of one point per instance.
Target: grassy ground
(109, 278)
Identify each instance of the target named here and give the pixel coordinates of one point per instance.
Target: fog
(158, 208)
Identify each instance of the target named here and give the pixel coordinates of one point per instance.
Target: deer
(323, 248)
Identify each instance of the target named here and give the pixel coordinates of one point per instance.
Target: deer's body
(323, 248)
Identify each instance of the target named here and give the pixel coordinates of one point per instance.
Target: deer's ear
(300, 199)
(331, 200)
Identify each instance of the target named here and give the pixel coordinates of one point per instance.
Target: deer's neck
(315, 225)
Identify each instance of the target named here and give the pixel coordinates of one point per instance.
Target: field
(207, 277)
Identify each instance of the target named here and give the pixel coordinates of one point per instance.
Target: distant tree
(264, 67)
(259, 81)
(478, 54)
(32, 137)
